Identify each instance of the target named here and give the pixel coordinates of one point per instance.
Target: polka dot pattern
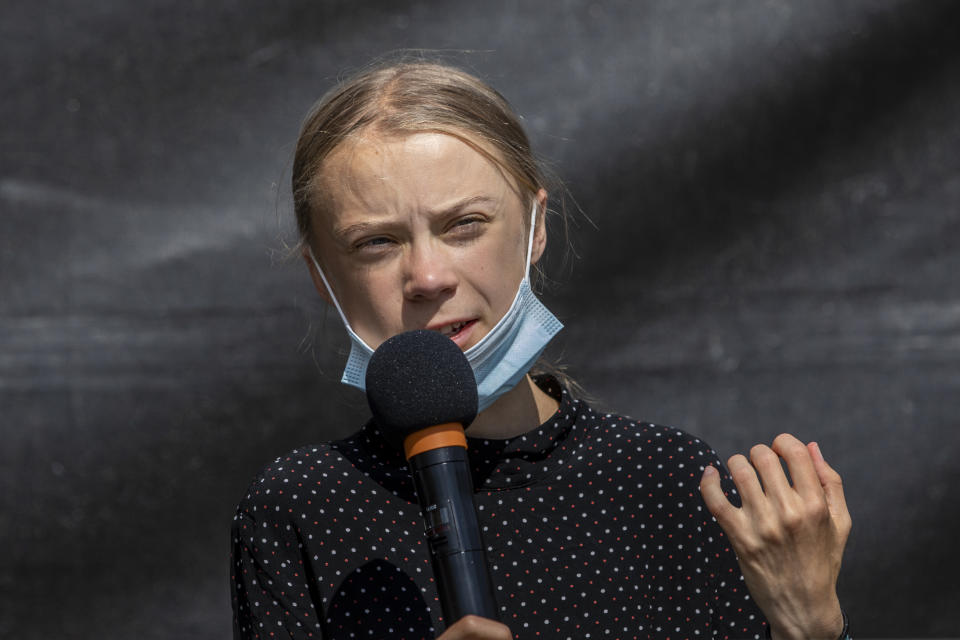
(593, 523)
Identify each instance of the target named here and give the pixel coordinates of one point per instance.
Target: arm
(789, 540)
(271, 598)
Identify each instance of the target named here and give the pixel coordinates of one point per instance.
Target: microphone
(423, 394)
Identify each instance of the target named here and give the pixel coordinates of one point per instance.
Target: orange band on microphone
(449, 434)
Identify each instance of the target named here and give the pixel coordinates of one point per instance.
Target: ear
(315, 275)
(540, 230)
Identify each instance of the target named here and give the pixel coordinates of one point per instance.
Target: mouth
(453, 330)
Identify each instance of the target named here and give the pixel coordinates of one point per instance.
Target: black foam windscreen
(419, 379)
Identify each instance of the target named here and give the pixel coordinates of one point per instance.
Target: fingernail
(709, 471)
(816, 449)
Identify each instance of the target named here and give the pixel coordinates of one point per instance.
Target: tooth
(450, 329)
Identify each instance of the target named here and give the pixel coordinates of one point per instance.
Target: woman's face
(421, 232)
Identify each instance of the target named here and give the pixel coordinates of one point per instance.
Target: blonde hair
(401, 99)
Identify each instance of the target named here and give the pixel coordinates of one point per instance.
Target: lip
(461, 337)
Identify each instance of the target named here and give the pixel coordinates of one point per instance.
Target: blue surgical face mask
(502, 357)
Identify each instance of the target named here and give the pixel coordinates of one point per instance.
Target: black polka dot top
(593, 524)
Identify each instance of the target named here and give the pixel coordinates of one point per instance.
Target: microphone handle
(445, 490)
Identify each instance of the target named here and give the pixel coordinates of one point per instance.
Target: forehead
(403, 174)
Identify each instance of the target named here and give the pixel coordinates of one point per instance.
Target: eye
(467, 226)
(376, 243)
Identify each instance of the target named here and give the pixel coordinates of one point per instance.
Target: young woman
(420, 205)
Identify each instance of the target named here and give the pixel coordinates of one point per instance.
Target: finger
(800, 463)
(716, 501)
(767, 465)
(477, 628)
(832, 485)
(748, 485)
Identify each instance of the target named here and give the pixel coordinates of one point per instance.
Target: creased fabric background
(774, 187)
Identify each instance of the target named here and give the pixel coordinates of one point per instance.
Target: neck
(520, 410)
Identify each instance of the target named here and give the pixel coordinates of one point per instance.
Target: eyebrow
(459, 205)
(360, 227)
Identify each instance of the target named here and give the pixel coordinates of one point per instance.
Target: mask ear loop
(336, 303)
(533, 228)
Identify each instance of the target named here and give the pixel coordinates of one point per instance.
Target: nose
(429, 272)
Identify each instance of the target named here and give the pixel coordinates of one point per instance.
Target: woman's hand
(476, 628)
(788, 539)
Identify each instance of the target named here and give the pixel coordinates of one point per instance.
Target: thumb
(714, 498)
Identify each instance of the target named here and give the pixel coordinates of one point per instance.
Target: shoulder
(306, 470)
(309, 476)
(655, 441)
(660, 458)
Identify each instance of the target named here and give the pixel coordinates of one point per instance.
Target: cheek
(371, 303)
(497, 274)
(512, 257)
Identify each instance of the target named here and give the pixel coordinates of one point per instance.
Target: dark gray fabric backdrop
(775, 191)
